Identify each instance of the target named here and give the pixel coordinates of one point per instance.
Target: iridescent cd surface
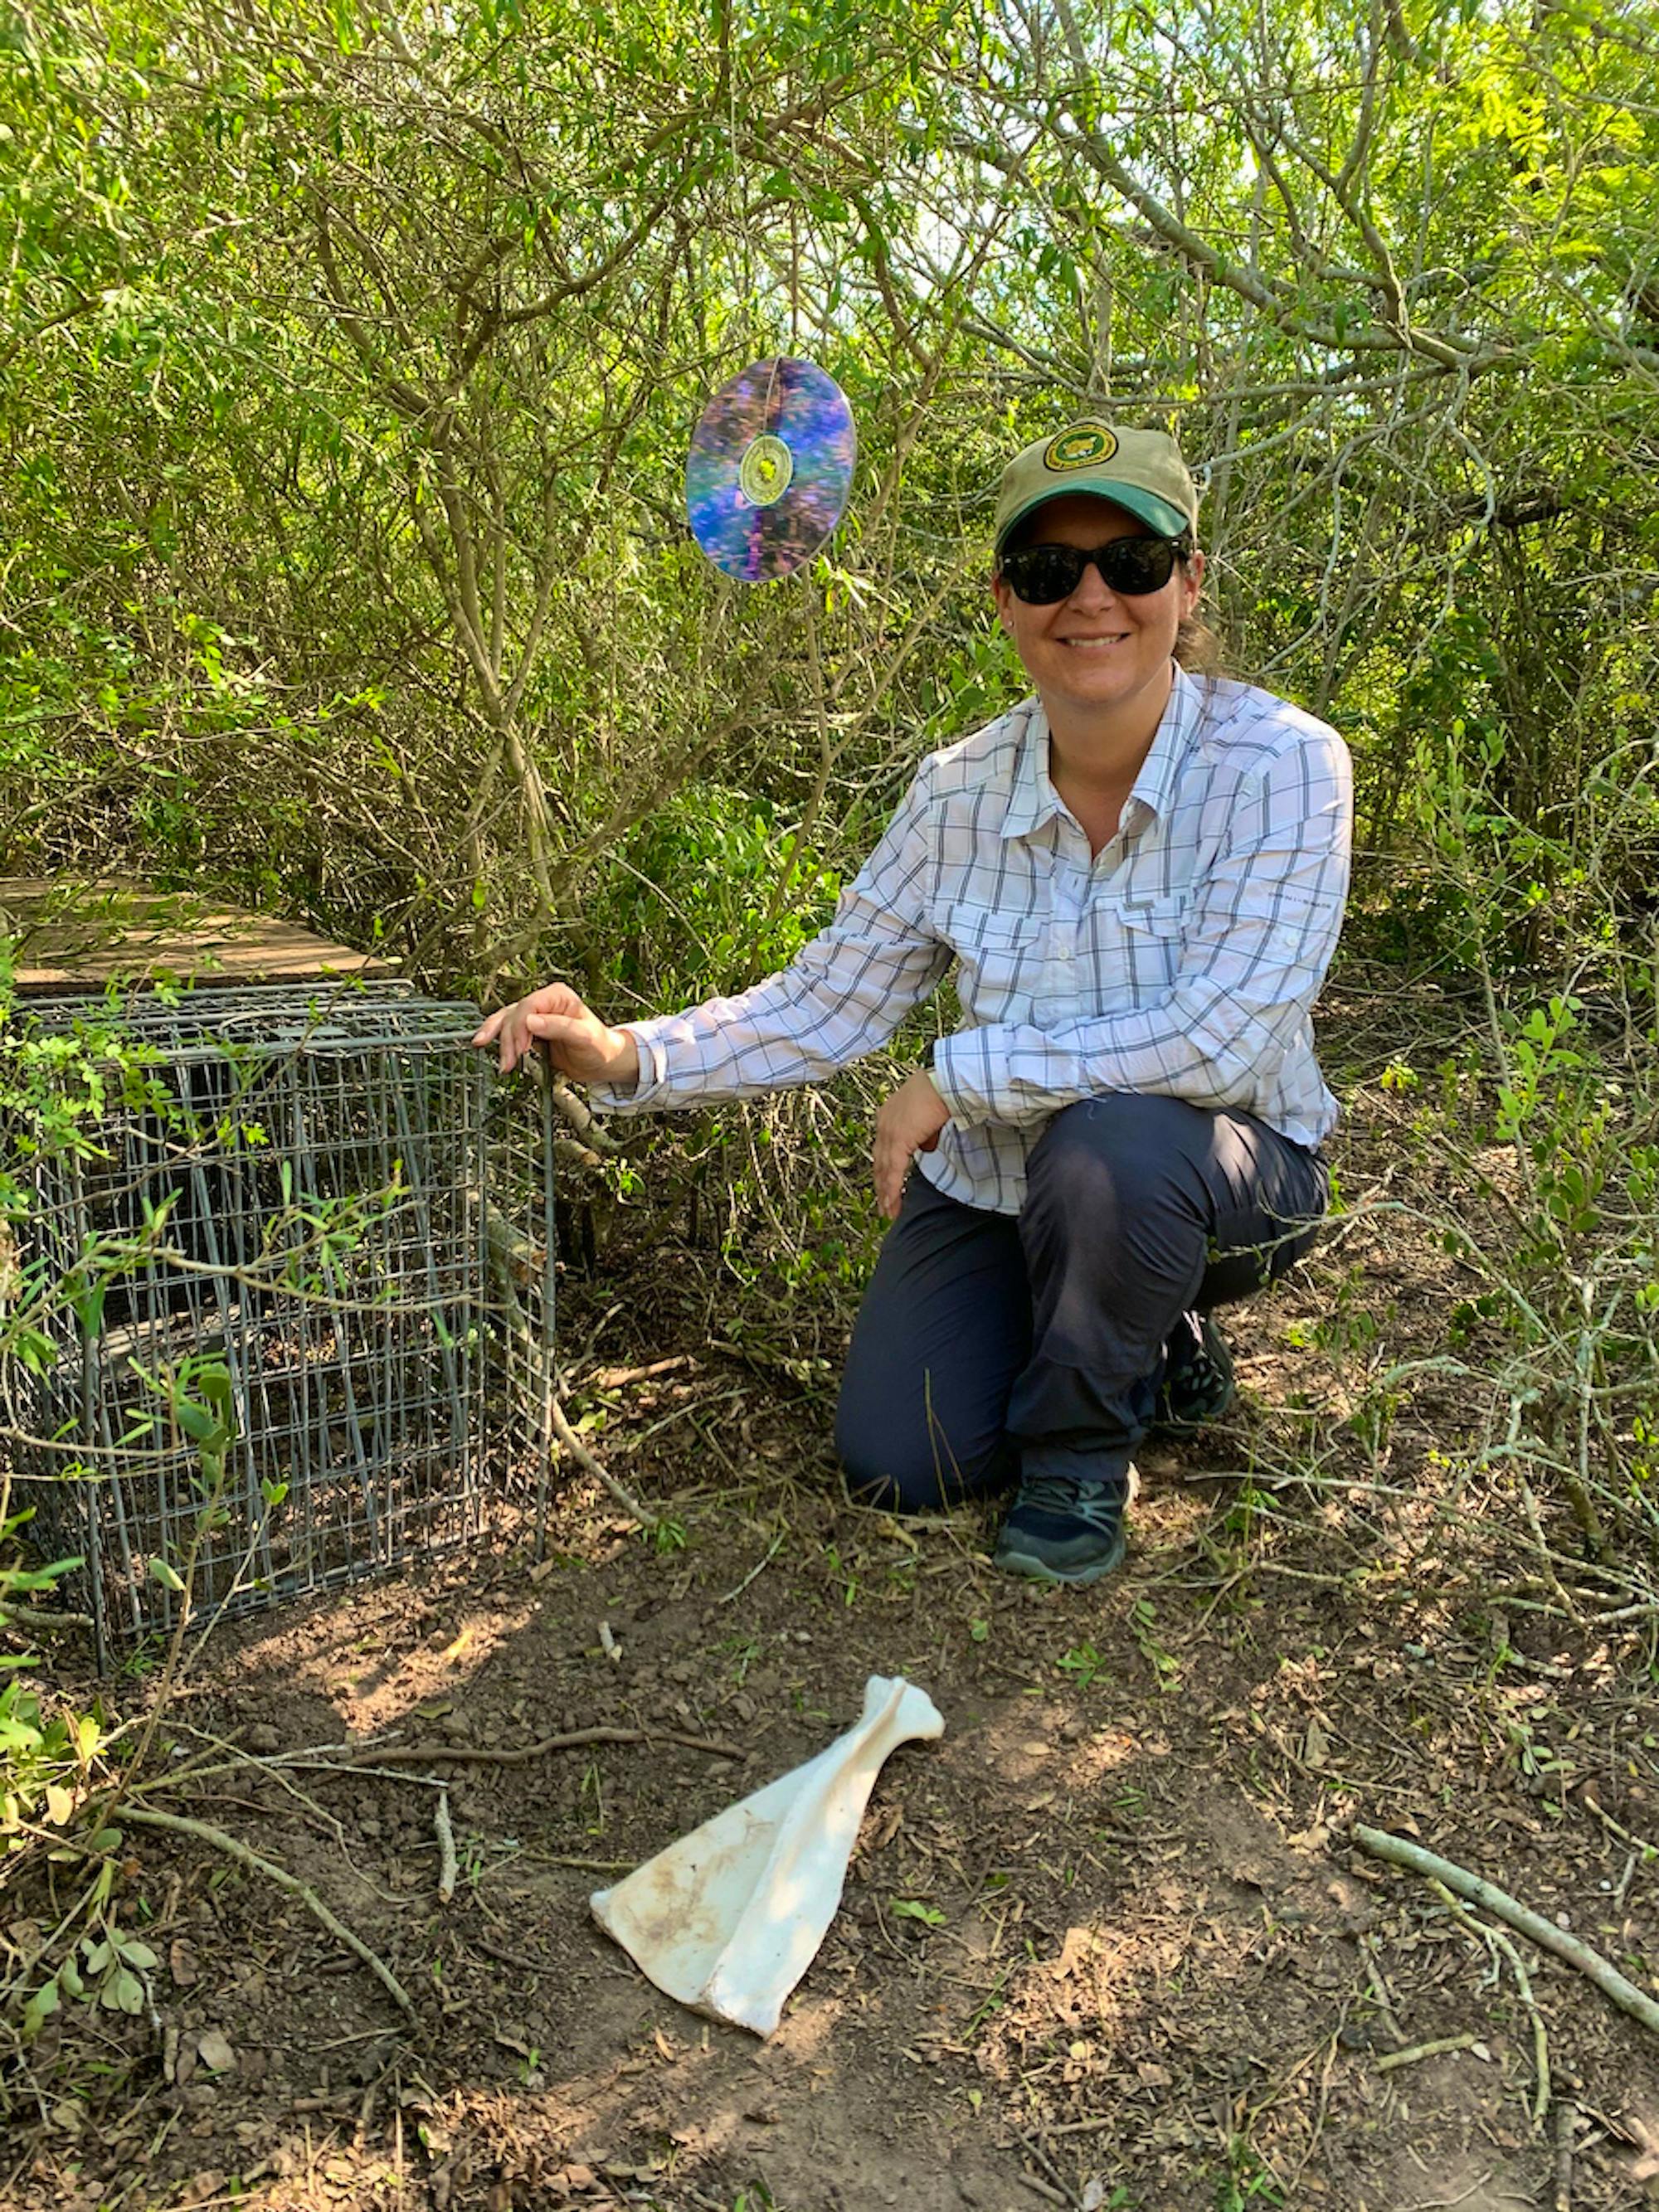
(770, 468)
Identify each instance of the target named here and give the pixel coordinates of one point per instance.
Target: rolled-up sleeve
(1260, 931)
(843, 995)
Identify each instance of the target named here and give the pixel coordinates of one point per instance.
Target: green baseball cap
(1141, 471)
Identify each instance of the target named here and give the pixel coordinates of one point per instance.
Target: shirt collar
(1032, 800)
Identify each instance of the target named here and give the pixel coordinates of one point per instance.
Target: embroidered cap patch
(1077, 449)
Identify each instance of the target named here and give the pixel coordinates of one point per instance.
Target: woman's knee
(915, 1472)
(1130, 1141)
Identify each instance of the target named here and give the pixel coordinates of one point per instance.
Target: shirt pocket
(1136, 947)
(999, 958)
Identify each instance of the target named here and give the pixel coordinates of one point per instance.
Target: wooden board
(80, 937)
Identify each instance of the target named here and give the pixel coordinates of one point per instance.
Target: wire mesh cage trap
(283, 1292)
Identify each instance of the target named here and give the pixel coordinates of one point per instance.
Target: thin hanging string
(745, 271)
(794, 278)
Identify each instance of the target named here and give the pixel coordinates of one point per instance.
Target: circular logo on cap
(766, 470)
(1077, 449)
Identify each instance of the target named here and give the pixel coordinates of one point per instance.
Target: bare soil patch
(1108, 1944)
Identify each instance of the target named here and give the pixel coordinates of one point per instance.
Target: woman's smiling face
(1098, 651)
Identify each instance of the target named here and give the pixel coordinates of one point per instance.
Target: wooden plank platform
(81, 937)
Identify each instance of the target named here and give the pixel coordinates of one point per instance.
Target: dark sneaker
(1198, 1381)
(1061, 1530)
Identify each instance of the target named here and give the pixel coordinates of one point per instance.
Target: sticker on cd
(770, 468)
(766, 470)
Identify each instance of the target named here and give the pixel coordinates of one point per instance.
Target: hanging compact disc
(770, 468)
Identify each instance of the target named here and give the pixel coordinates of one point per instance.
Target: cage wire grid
(329, 1192)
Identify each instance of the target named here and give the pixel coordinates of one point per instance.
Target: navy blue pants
(990, 1345)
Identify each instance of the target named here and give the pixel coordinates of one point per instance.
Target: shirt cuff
(652, 1081)
(953, 1071)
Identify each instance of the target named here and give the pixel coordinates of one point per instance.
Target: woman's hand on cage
(578, 1042)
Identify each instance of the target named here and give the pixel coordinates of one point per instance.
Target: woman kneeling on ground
(1139, 874)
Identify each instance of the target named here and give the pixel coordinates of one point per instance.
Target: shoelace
(1058, 1494)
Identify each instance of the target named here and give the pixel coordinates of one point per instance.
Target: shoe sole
(1036, 1569)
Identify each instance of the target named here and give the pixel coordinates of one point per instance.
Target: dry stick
(1639, 1844)
(759, 1567)
(1566, 2120)
(579, 1451)
(1607, 1977)
(1380, 1994)
(510, 1957)
(614, 1378)
(420, 1754)
(1065, 2196)
(1438, 2049)
(447, 1867)
(219, 1841)
(1496, 1942)
(13, 1615)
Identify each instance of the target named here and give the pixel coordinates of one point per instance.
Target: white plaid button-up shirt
(1183, 958)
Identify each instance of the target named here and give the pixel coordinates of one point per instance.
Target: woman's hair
(1198, 647)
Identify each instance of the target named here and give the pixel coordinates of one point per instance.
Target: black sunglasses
(1040, 574)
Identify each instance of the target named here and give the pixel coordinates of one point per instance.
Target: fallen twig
(759, 1567)
(1498, 1943)
(13, 1615)
(1616, 1827)
(447, 1867)
(510, 1957)
(616, 1378)
(1566, 2123)
(1379, 1992)
(584, 1458)
(1059, 2191)
(1438, 2049)
(1490, 1898)
(520, 1754)
(217, 1840)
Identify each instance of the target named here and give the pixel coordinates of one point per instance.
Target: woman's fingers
(910, 1122)
(515, 1028)
(891, 1165)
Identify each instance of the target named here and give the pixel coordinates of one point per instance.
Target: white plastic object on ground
(729, 1918)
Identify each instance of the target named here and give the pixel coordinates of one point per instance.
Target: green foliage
(700, 882)
(344, 569)
(45, 1757)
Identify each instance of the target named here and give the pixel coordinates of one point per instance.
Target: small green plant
(106, 1970)
(1166, 1668)
(1082, 1662)
(843, 1574)
(1248, 2183)
(910, 1908)
(756, 2197)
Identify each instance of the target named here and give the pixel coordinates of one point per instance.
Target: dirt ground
(1110, 1943)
